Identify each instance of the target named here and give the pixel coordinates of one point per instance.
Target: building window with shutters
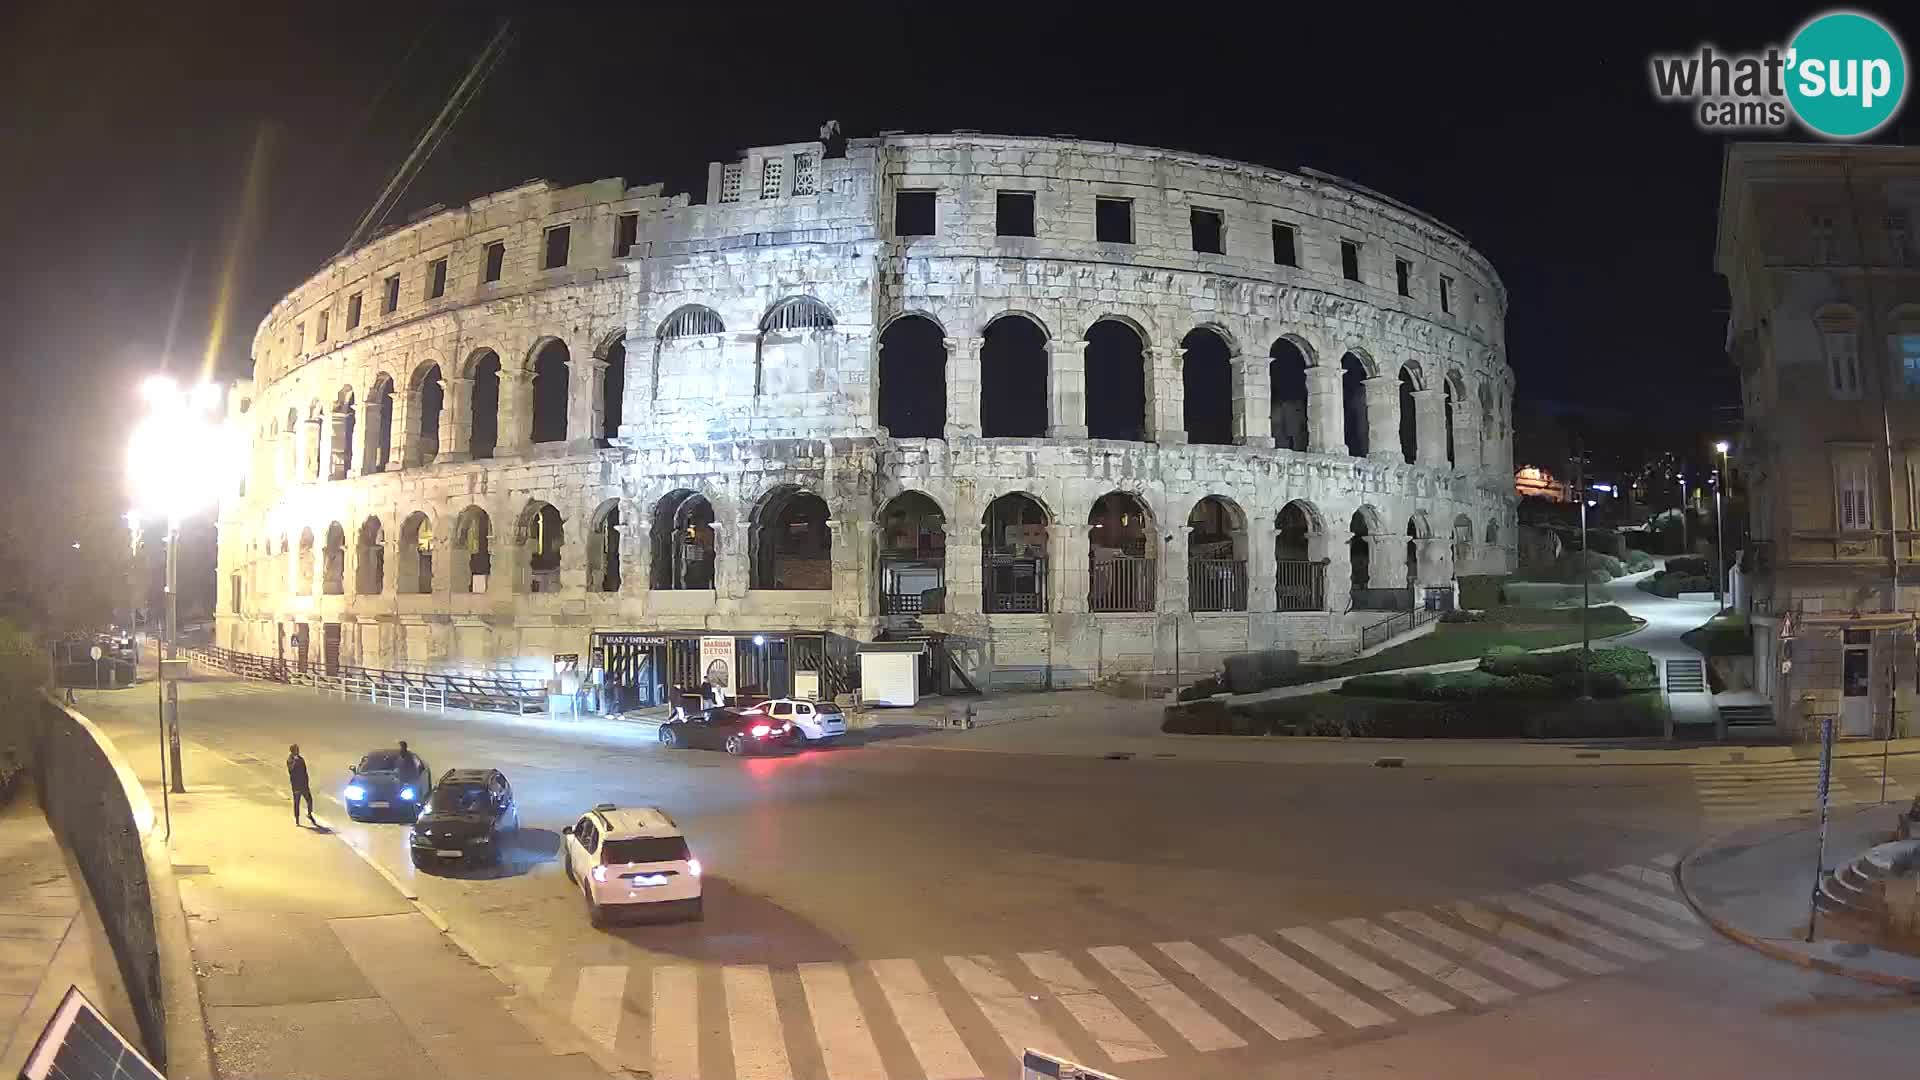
(1841, 344)
(1904, 347)
(1854, 487)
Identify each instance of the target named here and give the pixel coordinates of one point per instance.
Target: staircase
(1687, 677)
(1737, 716)
(1859, 887)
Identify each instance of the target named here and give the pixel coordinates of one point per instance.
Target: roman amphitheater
(1057, 411)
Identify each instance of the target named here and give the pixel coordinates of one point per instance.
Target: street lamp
(177, 462)
(1720, 529)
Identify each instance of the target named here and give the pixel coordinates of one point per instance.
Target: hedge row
(1669, 584)
(1514, 674)
(1351, 716)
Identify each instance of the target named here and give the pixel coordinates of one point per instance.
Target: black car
(737, 731)
(387, 785)
(464, 819)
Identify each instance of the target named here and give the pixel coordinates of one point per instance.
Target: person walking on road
(297, 780)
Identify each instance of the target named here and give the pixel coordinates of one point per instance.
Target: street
(888, 908)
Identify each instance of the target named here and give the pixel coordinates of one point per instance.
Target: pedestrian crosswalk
(968, 1017)
(1734, 794)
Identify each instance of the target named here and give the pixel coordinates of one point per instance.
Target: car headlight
(483, 839)
(355, 793)
(406, 793)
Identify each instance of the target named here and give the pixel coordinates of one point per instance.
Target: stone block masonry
(773, 411)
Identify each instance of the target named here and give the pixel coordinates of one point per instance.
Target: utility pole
(177, 781)
(1586, 573)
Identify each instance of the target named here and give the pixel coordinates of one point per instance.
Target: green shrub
(1353, 716)
(1460, 616)
(1693, 565)
(1637, 561)
(1604, 684)
(1390, 684)
(1669, 584)
(1483, 590)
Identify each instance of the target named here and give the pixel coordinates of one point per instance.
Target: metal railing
(1393, 626)
(408, 689)
(1216, 585)
(1124, 583)
(1300, 585)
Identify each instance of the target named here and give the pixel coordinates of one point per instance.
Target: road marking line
(597, 1002)
(1476, 950)
(1503, 927)
(1274, 1018)
(1572, 927)
(753, 1017)
(1004, 1005)
(1672, 909)
(935, 1043)
(1433, 966)
(1619, 918)
(845, 1043)
(1659, 879)
(531, 979)
(1119, 1037)
(1306, 982)
(676, 1023)
(1169, 1002)
(1665, 861)
(1357, 967)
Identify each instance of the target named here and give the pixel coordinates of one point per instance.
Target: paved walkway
(1666, 620)
(50, 937)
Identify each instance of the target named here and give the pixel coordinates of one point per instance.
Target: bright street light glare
(1608, 488)
(1721, 446)
(179, 456)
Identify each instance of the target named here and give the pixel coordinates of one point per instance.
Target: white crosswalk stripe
(1440, 970)
(935, 1043)
(1274, 1018)
(1168, 1002)
(1476, 950)
(1359, 973)
(1306, 982)
(845, 1043)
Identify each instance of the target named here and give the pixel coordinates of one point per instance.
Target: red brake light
(761, 731)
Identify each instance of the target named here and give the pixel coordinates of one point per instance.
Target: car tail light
(761, 731)
(599, 873)
(693, 867)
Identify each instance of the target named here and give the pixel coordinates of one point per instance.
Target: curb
(1772, 949)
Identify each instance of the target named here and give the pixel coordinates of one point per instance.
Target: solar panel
(79, 1044)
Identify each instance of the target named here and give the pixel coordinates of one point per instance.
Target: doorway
(1856, 684)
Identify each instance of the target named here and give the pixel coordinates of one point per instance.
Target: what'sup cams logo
(1842, 76)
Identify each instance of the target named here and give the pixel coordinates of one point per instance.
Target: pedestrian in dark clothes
(297, 780)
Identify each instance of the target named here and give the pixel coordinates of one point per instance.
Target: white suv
(811, 720)
(631, 859)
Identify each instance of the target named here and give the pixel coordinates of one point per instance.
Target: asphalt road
(1231, 885)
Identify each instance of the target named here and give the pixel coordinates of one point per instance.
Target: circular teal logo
(1847, 74)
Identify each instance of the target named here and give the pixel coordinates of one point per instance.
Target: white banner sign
(717, 663)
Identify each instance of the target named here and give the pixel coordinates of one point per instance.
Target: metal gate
(330, 644)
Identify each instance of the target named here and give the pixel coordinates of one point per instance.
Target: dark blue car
(387, 785)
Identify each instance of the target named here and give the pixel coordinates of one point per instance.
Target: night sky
(126, 132)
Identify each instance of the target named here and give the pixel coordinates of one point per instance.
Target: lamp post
(1684, 550)
(1720, 531)
(177, 459)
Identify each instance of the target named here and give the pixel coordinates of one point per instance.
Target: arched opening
(1462, 543)
(416, 555)
(1489, 419)
(683, 542)
(1300, 570)
(1120, 554)
(1493, 533)
(1418, 530)
(333, 566)
(792, 543)
(788, 349)
(1013, 546)
(370, 559)
(432, 400)
(913, 556)
(484, 437)
(913, 378)
(1014, 369)
(613, 391)
(303, 566)
(1353, 401)
(340, 444)
(603, 555)
(380, 424)
(473, 543)
(542, 536)
(1447, 401)
(1116, 382)
(1287, 382)
(315, 422)
(550, 372)
(1207, 381)
(1216, 556)
(1409, 419)
(1360, 551)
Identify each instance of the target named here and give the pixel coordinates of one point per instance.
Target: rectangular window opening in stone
(804, 174)
(390, 299)
(1403, 276)
(1013, 213)
(559, 239)
(627, 233)
(299, 337)
(353, 311)
(320, 332)
(437, 279)
(1446, 295)
(1209, 231)
(730, 182)
(1285, 252)
(496, 261)
(913, 213)
(1113, 221)
(1350, 259)
(771, 171)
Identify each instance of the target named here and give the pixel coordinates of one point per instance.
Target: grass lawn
(1528, 628)
(1727, 634)
(1640, 714)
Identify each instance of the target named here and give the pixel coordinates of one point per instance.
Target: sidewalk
(50, 937)
(1755, 886)
(311, 962)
